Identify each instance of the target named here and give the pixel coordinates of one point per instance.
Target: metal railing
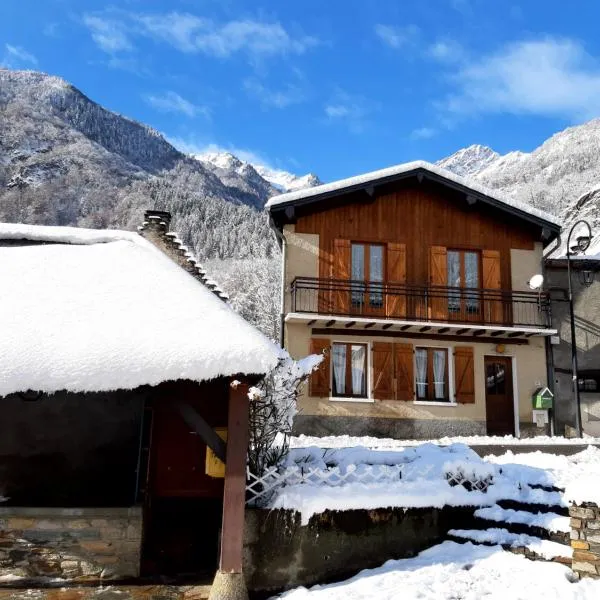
(420, 303)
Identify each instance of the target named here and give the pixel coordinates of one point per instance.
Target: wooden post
(229, 581)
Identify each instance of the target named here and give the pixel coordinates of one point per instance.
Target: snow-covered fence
(260, 489)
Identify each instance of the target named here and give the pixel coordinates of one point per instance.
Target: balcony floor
(374, 326)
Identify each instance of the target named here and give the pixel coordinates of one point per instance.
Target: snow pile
(450, 571)
(499, 536)
(549, 521)
(104, 310)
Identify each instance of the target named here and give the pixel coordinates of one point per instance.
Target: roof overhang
(285, 211)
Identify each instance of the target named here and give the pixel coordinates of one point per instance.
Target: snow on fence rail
(260, 489)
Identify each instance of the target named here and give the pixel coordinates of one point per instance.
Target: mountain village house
(415, 285)
(120, 374)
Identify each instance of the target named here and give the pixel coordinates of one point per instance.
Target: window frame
(350, 397)
(448, 379)
(366, 291)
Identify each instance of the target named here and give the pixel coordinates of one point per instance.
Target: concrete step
(534, 507)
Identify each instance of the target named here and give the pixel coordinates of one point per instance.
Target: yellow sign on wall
(215, 467)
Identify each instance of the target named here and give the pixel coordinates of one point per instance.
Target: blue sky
(336, 87)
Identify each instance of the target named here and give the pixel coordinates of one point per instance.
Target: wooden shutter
(438, 276)
(341, 270)
(405, 378)
(320, 379)
(464, 374)
(395, 305)
(490, 262)
(383, 371)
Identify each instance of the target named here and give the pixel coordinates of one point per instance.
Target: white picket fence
(260, 489)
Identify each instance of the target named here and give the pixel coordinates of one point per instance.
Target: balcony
(420, 308)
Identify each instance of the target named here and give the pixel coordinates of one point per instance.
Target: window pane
(359, 371)
(338, 353)
(495, 378)
(453, 260)
(421, 360)
(358, 273)
(376, 274)
(472, 280)
(439, 374)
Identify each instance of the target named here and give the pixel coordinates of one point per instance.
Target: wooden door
(499, 400)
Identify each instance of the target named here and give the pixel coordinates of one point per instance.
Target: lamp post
(583, 243)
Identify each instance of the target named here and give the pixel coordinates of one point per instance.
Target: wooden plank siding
(419, 216)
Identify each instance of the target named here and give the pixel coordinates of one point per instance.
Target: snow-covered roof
(390, 172)
(93, 310)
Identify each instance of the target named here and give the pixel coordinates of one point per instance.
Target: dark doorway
(183, 504)
(499, 401)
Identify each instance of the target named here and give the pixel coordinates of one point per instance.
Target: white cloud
(16, 57)
(109, 34)
(446, 50)
(270, 98)
(350, 109)
(551, 77)
(190, 33)
(397, 37)
(172, 102)
(423, 133)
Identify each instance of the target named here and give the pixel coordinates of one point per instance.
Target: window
(431, 374)
(367, 265)
(495, 378)
(589, 381)
(349, 370)
(463, 272)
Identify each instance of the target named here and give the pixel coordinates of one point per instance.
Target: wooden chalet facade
(415, 285)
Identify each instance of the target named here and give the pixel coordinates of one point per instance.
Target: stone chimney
(155, 229)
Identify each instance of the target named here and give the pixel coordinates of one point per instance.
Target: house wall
(325, 416)
(525, 264)
(301, 259)
(70, 449)
(75, 544)
(586, 303)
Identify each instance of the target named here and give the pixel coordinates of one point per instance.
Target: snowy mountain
(562, 176)
(283, 181)
(469, 161)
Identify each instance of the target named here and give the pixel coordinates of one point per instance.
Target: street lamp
(582, 244)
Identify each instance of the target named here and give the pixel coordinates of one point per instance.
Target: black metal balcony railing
(420, 303)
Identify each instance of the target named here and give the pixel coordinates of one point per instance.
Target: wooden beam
(405, 327)
(418, 336)
(516, 334)
(420, 177)
(462, 331)
(207, 434)
(330, 323)
(370, 190)
(444, 330)
(471, 200)
(311, 323)
(350, 324)
(234, 494)
(424, 329)
(530, 335)
(290, 213)
(386, 326)
(479, 332)
(368, 325)
(496, 333)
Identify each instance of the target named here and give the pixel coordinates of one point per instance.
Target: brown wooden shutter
(395, 305)
(464, 374)
(383, 370)
(438, 276)
(341, 270)
(491, 280)
(320, 379)
(405, 378)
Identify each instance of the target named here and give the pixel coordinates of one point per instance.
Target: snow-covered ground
(452, 571)
(418, 477)
(347, 441)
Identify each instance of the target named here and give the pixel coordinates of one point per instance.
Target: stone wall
(280, 553)
(75, 544)
(585, 539)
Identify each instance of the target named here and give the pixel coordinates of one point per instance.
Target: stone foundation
(585, 539)
(74, 544)
(120, 592)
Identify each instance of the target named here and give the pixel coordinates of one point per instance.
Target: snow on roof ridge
(404, 168)
(63, 234)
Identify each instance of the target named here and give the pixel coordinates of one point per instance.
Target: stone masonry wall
(75, 544)
(585, 539)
